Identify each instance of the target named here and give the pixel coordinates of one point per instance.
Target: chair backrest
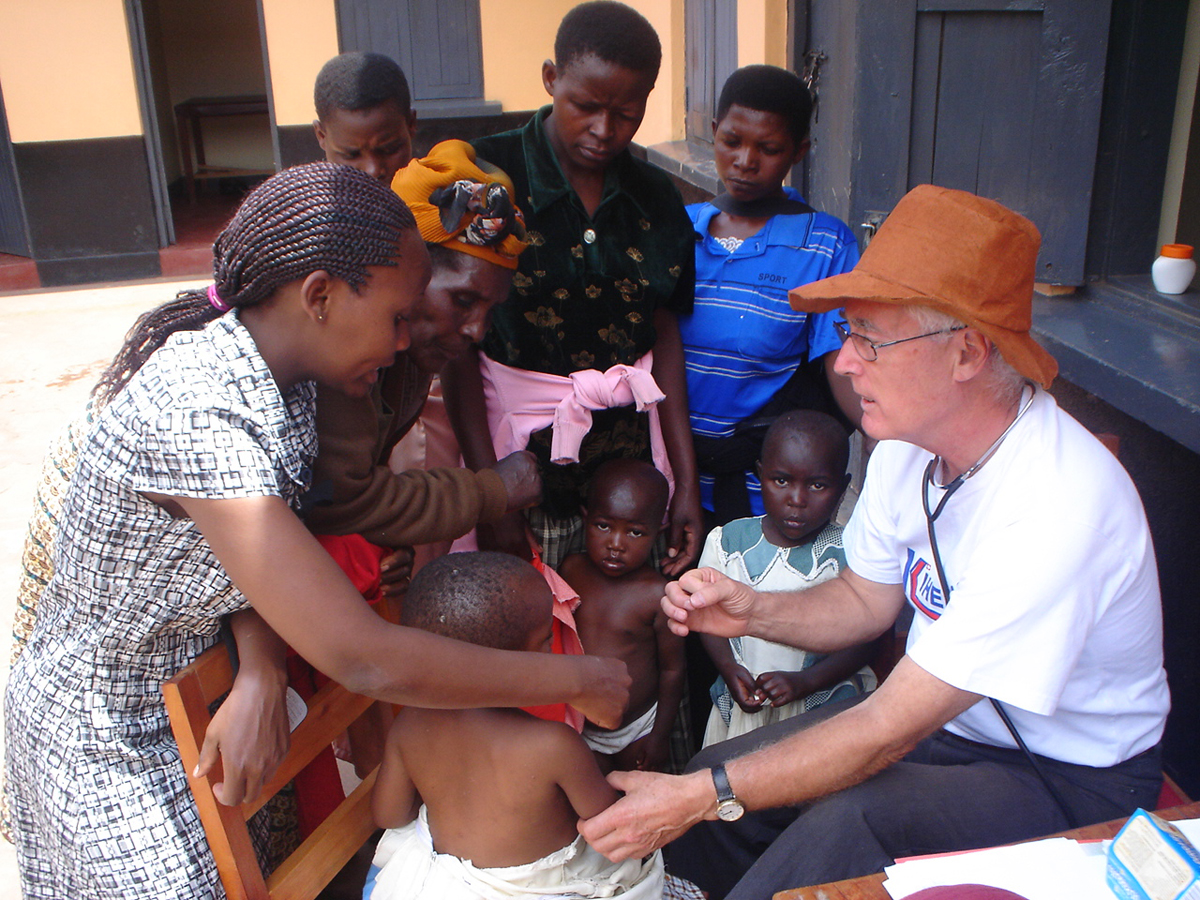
(314, 863)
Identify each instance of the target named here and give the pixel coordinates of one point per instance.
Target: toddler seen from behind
(484, 802)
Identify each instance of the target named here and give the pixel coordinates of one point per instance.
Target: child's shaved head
(491, 599)
(649, 485)
(359, 80)
(822, 431)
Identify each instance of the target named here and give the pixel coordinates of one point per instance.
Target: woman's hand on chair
(250, 736)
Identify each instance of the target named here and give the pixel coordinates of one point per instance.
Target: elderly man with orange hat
(1032, 696)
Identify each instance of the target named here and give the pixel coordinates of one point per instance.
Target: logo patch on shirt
(772, 277)
(921, 586)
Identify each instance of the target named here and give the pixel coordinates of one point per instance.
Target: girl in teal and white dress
(792, 547)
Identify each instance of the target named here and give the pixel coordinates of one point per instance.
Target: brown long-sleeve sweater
(359, 494)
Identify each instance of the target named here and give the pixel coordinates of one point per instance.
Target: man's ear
(549, 76)
(314, 294)
(973, 353)
(412, 123)
(319, 131)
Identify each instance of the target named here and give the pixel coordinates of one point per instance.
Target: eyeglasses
(869, 350)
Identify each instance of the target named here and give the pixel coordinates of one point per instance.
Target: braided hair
(307, 218)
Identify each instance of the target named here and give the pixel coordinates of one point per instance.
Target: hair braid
(305, 219)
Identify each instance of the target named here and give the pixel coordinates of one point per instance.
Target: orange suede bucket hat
(952, 251)
(463, 203)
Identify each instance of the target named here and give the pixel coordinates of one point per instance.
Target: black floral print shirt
(586, 290)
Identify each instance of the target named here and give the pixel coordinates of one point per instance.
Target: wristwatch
(729, 807)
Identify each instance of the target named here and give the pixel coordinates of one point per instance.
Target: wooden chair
(315, 862)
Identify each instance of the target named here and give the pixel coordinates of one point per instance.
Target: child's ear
(758, 469)
(549, 76)
(801, 151)
(319, 131)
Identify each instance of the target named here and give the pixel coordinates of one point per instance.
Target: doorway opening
(208, 124)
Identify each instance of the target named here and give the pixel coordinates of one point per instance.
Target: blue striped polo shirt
(743, 340)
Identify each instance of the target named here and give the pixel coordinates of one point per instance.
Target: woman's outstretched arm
(301, 593)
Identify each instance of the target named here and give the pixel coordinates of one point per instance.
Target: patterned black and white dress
(100, 802)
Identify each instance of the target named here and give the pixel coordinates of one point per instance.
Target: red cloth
(360, 560)
(566, 640)
(319, 784)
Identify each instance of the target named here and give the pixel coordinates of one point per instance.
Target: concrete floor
(53, 346)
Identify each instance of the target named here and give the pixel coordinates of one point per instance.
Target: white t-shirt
(1055, 603)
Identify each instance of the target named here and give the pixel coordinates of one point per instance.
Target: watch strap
(721, 783)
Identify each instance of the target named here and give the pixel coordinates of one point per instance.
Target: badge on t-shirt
(921, 586)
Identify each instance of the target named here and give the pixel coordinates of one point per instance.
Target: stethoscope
(931, 515)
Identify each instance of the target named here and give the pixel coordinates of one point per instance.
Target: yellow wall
(518, 35)
(301, 37)
(762, 32)
(66, 70)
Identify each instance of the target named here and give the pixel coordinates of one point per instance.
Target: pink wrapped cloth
(520, 402)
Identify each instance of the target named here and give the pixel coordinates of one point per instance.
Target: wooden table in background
(870, 887)
(188, 116)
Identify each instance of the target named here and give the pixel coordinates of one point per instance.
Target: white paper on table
(1190, 829)
(1050, 869)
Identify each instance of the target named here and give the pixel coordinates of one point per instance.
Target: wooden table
(188, 116)
(870, 887)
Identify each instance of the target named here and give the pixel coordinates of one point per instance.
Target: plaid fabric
(100, 803)
(680, 889)
(558, 538)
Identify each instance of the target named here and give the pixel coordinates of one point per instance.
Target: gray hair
(1002, 380)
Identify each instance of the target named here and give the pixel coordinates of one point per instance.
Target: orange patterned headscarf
(463, 203)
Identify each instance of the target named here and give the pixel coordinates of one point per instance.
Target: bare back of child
(500, 787)
(619, 614)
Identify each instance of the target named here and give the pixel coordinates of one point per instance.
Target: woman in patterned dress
(181, 513)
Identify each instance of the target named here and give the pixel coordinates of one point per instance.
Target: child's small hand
(780, 688)
(395, 571)
(647, 754)
(744, 690)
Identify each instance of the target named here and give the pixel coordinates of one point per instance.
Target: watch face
(730, 811)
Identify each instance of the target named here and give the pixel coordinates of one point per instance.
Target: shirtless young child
(484, 802)
(620, 616)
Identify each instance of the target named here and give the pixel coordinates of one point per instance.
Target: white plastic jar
(1172, 272)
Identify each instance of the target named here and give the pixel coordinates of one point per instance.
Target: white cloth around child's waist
(610, 742)
(410, 868)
